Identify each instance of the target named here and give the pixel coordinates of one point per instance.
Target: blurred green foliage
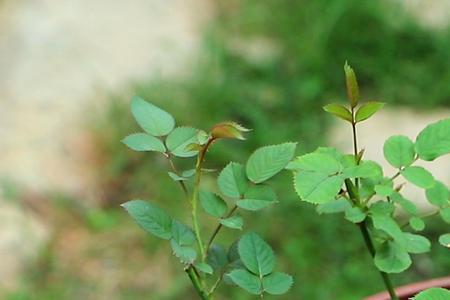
(271, 65)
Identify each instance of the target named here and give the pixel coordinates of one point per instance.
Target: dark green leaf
(367, 110)
(150, 217)
(181, 234)
(256, 254)
(144, 142)
(268, 161)
(233, 222)
(151, 118)
(232, 180)
(178, 140)
(399, 151)
(277, 283)
(339, 111)
(246, 280)
(257, 197)
(213, 204)
(217, 257)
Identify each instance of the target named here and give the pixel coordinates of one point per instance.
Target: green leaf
(385, 190)
(213, 204)
(184, 253)
(339, 111)
(438, 195)
(399, 151)
(434, 140)
(179, 139)
(433, 294)
(217, 257)
(277, 283)
(257, 197)
(176, 177)
(445, 214)
(151, 118)
(316, 178)
(382, 208)
(389, 226)
(352, 85)
(233, 222)
(406, 204)
(444, 240)
(150, 217)
(256, 254)
(366, 169)
(246, 280)
(181, 234)
(232, 180)
(419, 177)
(337, 206)
(355, 215)
(392, 258)
(204, 267)
(268, 161)
(144, 142)
(416, 244)
(367, 110)
(417, 223)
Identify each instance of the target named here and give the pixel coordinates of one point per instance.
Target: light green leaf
(417, 223)
(186, 254)
(316, 162)
(246, 280)
(217, 257)
(176, 177)
(144, 142)
(317, 187)
(337, 206)
(339, 111)
(381, 208)
(392, 258)
(434, 140)
(355, 215)
(151, 118)
(367, 110)
(406, 204)
(399, 151)
(416, 244)
(433, 294)
(256, 254)
(419, 177)
(233, 222)
(352, 85)
(366, 169)
(385, 190)
(213, 204)
(438, 195)
(268, 161)
(181, 234)
(277, 283)
(150, 217)
(388, 225)
(179, 139)
(232, 180)
(445, 214)
(257, 197)
(444, 240)
(204, 267)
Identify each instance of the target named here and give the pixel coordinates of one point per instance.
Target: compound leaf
(179, 139)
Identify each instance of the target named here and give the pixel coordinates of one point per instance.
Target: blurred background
(68, 70)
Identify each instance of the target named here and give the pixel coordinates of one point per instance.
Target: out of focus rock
(22, 237)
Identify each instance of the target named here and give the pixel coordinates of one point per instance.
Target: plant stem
(363, 225)
(196, 283)
(172, 165)
(386, 279)
(216, 231)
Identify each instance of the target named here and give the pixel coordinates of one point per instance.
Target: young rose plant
(249, 262)
(349, 184)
